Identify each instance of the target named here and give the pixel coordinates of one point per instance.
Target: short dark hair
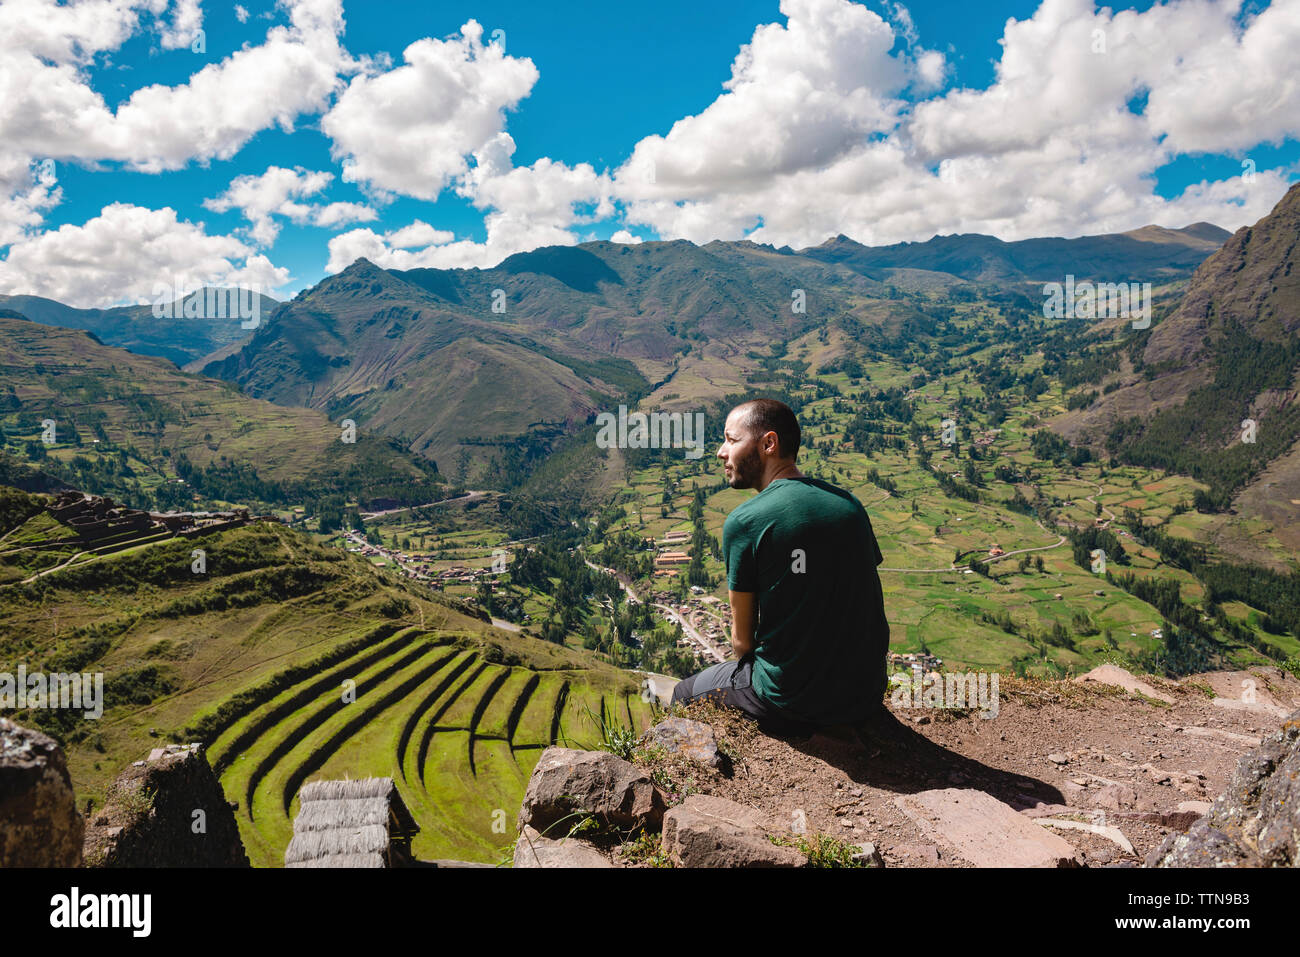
(769, 415)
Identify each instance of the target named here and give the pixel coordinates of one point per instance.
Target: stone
(1113, 797)
(1071, 790)
(1156, 775)
(1255, 822)
(867, 854)
(1247, 739)
(706, 831)
(39, 822)
(1112, 834)
(985, 831)
(161, 833)
(566, 782)
(1058, 759)
(534, 850)
(691, 739)
(1117, 677)
(928, 854)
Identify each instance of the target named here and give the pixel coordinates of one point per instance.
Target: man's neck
(786, 471)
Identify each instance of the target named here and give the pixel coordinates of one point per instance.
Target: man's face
(741, 463)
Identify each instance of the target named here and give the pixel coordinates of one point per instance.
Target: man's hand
(744, 621)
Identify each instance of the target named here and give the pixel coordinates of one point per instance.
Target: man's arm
(744, 620)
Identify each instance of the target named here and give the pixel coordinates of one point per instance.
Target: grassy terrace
(295, 661)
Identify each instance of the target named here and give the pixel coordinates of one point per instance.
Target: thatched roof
(349, 824)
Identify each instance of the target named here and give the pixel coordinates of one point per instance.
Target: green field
(293, 662)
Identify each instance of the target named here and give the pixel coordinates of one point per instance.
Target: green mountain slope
(130, 426)
(1225, 355)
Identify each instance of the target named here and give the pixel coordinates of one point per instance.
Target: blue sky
(782, 122)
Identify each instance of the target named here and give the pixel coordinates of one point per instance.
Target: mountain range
(460, 363)
(471, 367)
(156, 420)
(137, 328)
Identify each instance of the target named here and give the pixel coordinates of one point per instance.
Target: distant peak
(363, 267)
(1205, 230)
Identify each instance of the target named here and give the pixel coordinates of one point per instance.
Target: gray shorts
(728, 685)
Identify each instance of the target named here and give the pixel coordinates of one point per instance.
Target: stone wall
(166, 811)
(39, 823)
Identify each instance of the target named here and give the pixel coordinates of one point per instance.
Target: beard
(745, 470)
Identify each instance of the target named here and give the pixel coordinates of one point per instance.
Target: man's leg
(699, 685)
(727, 685)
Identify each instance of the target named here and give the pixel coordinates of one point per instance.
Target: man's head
(760, 440)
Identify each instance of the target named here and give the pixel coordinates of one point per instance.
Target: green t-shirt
(808, 550)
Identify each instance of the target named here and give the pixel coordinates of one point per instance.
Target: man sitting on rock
(808, 621)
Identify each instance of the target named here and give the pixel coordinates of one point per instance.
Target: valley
(481, 574)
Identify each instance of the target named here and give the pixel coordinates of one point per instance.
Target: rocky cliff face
(1256, 821)
(166, 811)
(1251, 280)
(39, 823)
(1106, 770)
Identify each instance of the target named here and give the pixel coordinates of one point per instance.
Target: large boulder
(534, 850)
(706, 831)
(166, 811)
(1256, 821)
(985, 831)
(690, 739)
(567, 785)
(39, 823)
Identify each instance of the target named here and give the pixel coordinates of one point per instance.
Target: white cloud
(186, 22)
(389, 250)
(277, 192)
(124, 253)
(333, 215)
(837, 120)
(27, 190)
(51, 116)
(49, 109)
(241, 13)
(623, 236)
(799, 96)
(408, 130)
(529, 206)
(808, 139)
(419, 233)
(931, 70)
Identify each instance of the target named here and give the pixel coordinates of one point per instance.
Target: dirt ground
(1088, 753)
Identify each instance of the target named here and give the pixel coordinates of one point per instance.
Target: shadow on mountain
(576, 268)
